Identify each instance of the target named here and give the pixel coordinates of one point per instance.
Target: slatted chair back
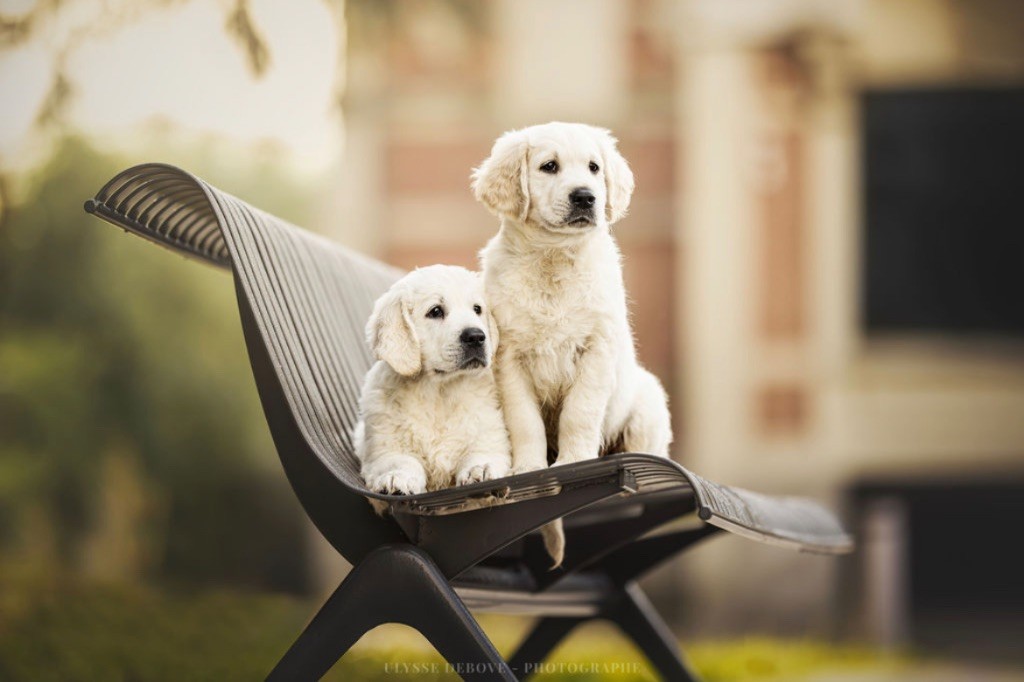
(304, 303)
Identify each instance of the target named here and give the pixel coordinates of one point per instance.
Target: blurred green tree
(126, 398)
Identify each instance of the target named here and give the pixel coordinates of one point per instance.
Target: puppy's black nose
(581, 197)
(471, 336)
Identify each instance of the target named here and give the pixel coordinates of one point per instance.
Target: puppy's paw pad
(399, 483)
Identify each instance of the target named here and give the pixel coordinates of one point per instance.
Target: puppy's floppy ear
(391, 335)
(618, 178)
(501, 183)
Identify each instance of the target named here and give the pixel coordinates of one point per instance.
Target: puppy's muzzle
(474, 348)
(581, 207)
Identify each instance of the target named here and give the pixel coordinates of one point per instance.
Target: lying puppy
(430, 410)
(567, 370)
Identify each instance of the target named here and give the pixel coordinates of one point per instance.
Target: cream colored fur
(566, 368)
(427, 423)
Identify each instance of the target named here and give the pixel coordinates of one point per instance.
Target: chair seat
(792, 522)
(513, 590)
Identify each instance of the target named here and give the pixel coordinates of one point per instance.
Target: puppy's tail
(554, 542)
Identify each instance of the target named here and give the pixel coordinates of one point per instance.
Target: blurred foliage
(130, 634)
(126, 634)
(69, 26)
(73, 26)
(763, 658)
(129, 422)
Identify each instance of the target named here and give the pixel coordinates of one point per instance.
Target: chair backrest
(304, 303)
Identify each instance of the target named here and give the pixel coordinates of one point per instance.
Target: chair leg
(393, 584)
(633, 613)
(541, 641)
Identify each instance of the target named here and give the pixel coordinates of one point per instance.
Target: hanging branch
(241, 28)
(55, 104)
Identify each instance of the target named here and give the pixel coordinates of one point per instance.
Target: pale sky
(178, 64)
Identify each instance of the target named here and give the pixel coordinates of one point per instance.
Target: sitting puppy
(567, 370)
(430, 410)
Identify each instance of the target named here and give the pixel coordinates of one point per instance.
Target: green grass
(118, 634)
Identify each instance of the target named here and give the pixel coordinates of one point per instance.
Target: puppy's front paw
(481, 470)
(399, 482)
(527, 467)
(529, 457)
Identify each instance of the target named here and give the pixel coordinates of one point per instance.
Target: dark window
(944, 211)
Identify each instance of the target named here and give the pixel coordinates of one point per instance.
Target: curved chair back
(304, 302)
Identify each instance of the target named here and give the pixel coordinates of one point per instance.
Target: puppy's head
(433, 322)
(565, 177)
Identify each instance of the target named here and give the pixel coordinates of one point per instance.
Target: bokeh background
(825, 257)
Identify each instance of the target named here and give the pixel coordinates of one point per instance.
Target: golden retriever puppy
(567, 370)
(429, 406)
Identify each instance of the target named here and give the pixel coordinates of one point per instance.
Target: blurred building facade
(743, 249)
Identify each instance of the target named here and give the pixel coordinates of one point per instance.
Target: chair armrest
(458, 536)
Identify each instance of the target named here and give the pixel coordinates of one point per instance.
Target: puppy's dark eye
(594, 167)
(436, 313)
(550, 167)
(477, 309)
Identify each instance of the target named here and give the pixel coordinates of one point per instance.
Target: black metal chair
(304, 302)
